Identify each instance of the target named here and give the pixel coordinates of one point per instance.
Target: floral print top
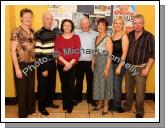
(26, 44)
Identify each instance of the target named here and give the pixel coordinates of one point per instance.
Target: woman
(120, 49)
(67, 46)
(22, 52)
(102, 67)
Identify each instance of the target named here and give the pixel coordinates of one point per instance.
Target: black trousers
(25, 91)
(67, 79)
(46, 85)
(84, 67)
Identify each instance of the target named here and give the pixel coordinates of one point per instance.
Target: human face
(67, 27)
(56, 23)
(101, 27)
(118, 25)
(26, 19)
(85, 25)
(47, 21)
(138, 24)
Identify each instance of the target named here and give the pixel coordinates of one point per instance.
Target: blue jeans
(116, 102)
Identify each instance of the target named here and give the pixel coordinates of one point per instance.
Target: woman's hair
(67, 20)
(103, 20)
(25, 10)
(123, 25)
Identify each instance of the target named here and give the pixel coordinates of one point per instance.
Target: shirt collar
(90, 31)
(46, 29)
(143, 31)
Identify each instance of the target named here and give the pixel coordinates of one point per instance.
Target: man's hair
(139, 16)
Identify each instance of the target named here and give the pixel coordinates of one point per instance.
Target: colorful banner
(127, 11)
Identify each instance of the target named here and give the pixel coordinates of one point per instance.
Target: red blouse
(68, 48)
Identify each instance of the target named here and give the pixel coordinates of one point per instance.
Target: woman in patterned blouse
(22, 52)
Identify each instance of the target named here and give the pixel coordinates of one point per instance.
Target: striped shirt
(44, 43)
(141, 49)
(44, 46)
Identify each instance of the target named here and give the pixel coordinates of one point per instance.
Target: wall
(12, 20)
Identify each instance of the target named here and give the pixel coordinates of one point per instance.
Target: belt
(142, 65)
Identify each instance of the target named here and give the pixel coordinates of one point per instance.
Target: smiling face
(26, 19)
(118, 25)
(67, 27)
(47, 20)
(138, 24)
(101, 27)
(85, 25)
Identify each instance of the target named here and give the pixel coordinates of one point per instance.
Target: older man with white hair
(87, 37)
(46, 72)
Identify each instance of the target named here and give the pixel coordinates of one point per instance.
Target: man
(141, 54)
(46, 72)
(87, 38)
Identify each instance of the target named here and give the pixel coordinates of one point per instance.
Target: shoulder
(58, 37)
(125, 36)
(108, 38)
(131, 33)
(40, 31)
(78, 31)
(39, 34)
(16, 30)
(94, 32)
(149, 34)
(76, 36)
(15, 34)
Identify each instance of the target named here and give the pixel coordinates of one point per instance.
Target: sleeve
(95, 34)
(151, 47)
(38, 52)
(57, 49)
(77, 47)
(15, 35)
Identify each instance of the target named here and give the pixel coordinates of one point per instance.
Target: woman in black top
(120, 49)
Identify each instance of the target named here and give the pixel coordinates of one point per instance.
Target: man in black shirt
(46, 71)
(141, 56)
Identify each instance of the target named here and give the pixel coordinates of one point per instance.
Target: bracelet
(71, 63)
(122, 60)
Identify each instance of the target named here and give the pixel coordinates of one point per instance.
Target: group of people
(79, 53)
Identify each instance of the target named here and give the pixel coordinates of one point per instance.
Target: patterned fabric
(26, 45)
(102, 87)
